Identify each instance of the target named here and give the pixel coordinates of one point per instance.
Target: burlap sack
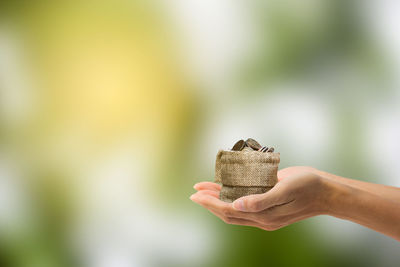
(243, 173)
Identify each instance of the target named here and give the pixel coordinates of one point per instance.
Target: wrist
(336, 196)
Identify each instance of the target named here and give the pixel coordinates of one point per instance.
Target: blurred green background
(111, 110)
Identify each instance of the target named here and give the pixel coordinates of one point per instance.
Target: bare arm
(389, 192)
(303, 192)
(366, 208)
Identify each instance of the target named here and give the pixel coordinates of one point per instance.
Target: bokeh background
(110, 111)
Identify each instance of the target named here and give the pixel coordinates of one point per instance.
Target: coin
(253, 144)
(271, 149)
(263, 149)
(239, 145)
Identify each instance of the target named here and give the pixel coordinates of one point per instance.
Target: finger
(207, 201)
(259, 202)
(284, 173)
(223, 208)
(239, 221)
(210, 193)
(216, 213)
(287, 208)
(207, 186)
(244, 222)
(277, 222)
(203, 198)
(242, 218)
(236, 221)
(229, 215)
(290, 219)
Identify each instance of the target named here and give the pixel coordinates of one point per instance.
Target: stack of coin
(251, 143)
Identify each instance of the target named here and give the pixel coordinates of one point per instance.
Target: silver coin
(253, 144)
(263, 149)
(239, 145)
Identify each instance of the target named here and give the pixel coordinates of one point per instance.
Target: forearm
(385, 191)
(363, 207)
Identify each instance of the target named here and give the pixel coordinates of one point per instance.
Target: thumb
(256, 203)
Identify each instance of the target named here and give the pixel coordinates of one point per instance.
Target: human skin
(304, 192)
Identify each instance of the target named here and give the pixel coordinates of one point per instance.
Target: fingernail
(239, 204)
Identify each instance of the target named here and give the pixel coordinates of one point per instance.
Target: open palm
(298, 195)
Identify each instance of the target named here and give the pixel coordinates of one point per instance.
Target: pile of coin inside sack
(251, 145)
(247, 169)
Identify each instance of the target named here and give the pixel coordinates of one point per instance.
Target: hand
(299, 194)
(303, 192)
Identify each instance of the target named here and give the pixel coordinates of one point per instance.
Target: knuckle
(256, 205)
(227, 220)
(267, 228)
(229, 213)
(272, 227)
(276, 226)
(225, 212)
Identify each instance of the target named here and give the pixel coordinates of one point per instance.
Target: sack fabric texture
(243, 173)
